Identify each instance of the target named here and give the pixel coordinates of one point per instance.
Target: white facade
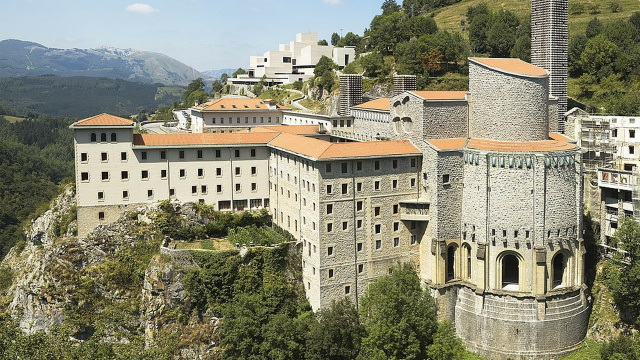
(293, 62)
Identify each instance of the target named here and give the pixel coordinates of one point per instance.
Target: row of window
(103, 137)
(331, 250)
(376, 186)
(344, 166)
(144, 174)
(246, 120)
(195, 190)
(526, 234)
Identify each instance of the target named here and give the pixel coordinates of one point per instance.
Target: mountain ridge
(26, 58)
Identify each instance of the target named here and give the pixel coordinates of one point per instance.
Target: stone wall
(89, 216)
(507, 107)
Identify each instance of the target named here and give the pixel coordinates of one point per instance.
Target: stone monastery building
(474, 188)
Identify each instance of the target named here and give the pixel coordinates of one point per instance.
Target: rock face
(56, 271)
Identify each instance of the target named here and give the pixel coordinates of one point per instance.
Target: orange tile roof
(441, 95)
(557, 142)
(449, 144)
(202, 139)
(377, 104)
(104, 120)
(291, 129)
(320, 149)
(515, 66)
(370, 148)
(237, 104)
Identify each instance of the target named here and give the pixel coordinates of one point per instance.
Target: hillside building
(469, 186)
(292, 62)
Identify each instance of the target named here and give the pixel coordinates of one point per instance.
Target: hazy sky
(204, 34)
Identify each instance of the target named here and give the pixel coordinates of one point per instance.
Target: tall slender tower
(549, 44)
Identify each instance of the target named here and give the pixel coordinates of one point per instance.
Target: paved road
(296, 102)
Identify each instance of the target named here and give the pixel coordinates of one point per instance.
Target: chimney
(248, 129)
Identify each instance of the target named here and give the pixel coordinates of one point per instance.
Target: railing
(617, 179)
(414, 211)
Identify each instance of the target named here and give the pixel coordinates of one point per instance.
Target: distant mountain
(216, 74)
(23, 58)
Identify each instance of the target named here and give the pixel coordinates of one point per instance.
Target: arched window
(559, 265)
(113, 137)
(451, 260)
(510, 272)
(103, 137)
(94, 138)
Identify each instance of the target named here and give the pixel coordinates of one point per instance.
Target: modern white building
(292, 62)
(230, 113)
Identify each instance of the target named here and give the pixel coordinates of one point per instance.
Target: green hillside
(449, 18)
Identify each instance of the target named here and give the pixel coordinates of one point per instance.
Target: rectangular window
(376, 211)
(218, 171)
(328, 168)
(183, 173)
(237, 153)
(330, 250)
(329, 189)
(378, 228)
(359, 165)
(359, 246)
(347, 290)
(125, 195)
(145, 175)
(200, 173)
(254, 186)
(330, 273)
(413, 182)
(345, 189)
(84, 176)
(163, 174)
(360, 268)
(100, 195)
(238, 188)
(344, 167)
(219, 188)
(632, 149)
(414, 239)
(105, 157)
(143, 155)
(181, 154)
(84, 157)
(359, 187)
(396, 241)
(359, 206)
(123, 156)
(394, 164)
(378, 244)
(253, 152)
(237, 171)
(124, 175)
(413, 163)
(396, 226)
(359, 223)
(395, 208)
(101, 215)
(199, 154)
(329, 209)
(105, 175)
(394, 184)
(254, 170)
(150, 193)
(194, 189)
(172, 192)
(376, 165)
(345, 225)
(376, 186)
(445, 179)
(632, 133)
(163, 155)
(218, 153)
(329, 227)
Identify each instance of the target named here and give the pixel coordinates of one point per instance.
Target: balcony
(617, 179)
(414, 210)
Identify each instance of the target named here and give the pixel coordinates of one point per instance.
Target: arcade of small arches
(103, 137)
(510, 265)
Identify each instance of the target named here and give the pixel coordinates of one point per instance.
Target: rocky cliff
(114, 286)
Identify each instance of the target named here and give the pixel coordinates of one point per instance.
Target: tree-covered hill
(82, 96)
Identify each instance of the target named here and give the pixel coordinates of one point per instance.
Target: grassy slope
(449, 17)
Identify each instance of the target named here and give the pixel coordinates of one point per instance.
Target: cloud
(332, 2)
(141, 8)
